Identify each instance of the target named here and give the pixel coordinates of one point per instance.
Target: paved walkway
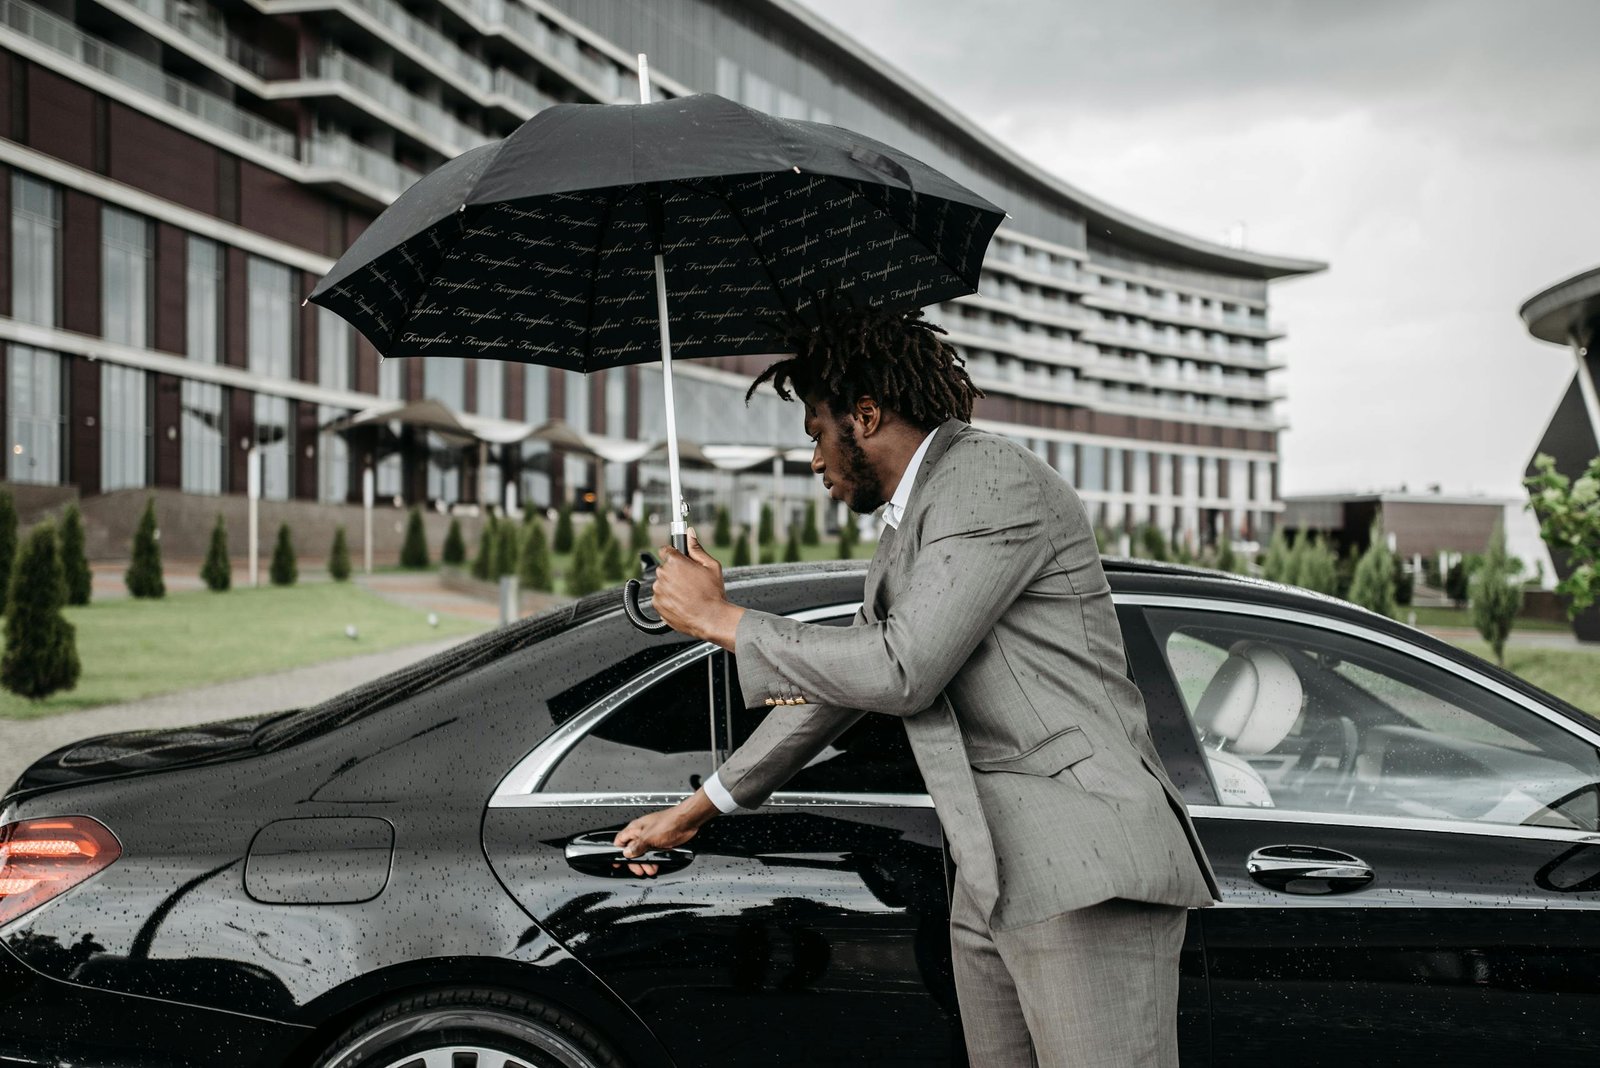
(24, 741)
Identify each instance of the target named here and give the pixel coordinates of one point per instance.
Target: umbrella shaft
(680, 513)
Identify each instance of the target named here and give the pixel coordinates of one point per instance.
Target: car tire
(467, 1028)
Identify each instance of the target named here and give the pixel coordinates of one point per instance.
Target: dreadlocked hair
(897, 358)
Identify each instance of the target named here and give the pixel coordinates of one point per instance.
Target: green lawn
(131, 649)
(1461, 617)
(1571, 674)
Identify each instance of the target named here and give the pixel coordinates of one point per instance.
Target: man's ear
(869, 415)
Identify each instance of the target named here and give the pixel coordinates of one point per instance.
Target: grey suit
(988, 627)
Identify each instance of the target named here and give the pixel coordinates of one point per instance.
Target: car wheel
(467, 1029)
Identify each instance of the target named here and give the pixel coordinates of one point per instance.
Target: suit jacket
(988, 627)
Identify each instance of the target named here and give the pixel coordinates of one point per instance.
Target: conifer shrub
(454, 551)
(414, 550)
(8, 539)
(1372, 585)
(722, 536)
(41, 656)
(613, 565)
(766, 533)
(563, 542)
(533, 570)
(809, 534)
(585, 576)
(791, 548)
(483, 563)
(283, 570)
(143, 576)
(741, 549)
(507, 548)
(339, 556)
(217, 571)
(74, 558)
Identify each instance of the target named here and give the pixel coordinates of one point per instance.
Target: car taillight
(43, 858)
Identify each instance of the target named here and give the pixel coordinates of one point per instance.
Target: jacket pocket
(1060, 750)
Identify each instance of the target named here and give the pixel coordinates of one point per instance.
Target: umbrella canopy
(540, 248)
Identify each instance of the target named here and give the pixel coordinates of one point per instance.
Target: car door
(811, 931)
(1407, 848)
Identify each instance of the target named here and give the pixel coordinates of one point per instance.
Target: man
(988, 628)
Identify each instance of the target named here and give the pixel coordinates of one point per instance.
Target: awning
(428, 414)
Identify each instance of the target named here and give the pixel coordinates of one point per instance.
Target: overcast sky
(1441, 155)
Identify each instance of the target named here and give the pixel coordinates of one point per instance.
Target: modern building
(179, 173)
(1568, 314)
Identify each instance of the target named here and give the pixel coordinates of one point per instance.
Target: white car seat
(1248, 707)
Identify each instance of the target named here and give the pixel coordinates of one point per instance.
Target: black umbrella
(548, 246)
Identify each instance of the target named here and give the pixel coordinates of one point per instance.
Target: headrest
(1253, 700)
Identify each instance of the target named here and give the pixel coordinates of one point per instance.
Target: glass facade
(35, 416)
(334, 348)
(203, 427)
(126, 283)
(491, 388)
(124, 427)
(35, 250)
(270, 341)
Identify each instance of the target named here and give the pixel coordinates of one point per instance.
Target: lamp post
(368, 491)
(253, 480)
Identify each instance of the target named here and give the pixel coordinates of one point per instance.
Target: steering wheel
(1336, 735)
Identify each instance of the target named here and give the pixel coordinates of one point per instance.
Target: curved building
(1568, 314)
(180, 172)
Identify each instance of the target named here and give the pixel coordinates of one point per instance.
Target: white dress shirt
(893, 512)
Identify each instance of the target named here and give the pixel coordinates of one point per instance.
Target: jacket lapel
(889, 548)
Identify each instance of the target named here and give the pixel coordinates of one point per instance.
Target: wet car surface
(1408, 840)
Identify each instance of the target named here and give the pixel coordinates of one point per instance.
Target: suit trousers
(1096, 987)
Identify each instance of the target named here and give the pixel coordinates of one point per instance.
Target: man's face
(841, 461)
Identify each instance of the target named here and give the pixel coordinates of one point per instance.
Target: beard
(866, 488)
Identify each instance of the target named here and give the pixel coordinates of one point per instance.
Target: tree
(533, 569)
(414, 551)
(144, 571)
(809, 534)
(563, 539)
(283, 570)
(722, 537)
(74, 560)
(1226, 560)
(741, 549)
(791, 548)
(847, 538)
(768, 554)
(1372, 585)
(766, 533)
(1496, 595)
(1299, 548)
(1404, 582)
(602, 529)
(217, 571)
(1569, 520)
(339, 556)
(1102, 538)
(8, 538)
(454, 551)
(1275, 562)
(483, 563)
(1319, 567)
(1457, 582)
(1154, 543)
(41, 654)
(639, 542)
(507, 549)
(585, 576)
(612, 564)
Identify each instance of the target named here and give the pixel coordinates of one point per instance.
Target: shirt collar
(895, 510)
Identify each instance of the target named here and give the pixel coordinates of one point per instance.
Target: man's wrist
(696, 810)
(724, 625)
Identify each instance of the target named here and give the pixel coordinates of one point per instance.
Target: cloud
(1436, 153)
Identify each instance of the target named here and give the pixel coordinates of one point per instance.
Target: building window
(124, 427)
(577, 406)
(617, 402)
(204, 430)
(390, 386)
(333, 372)
(35, 251)
(35, 415)
(1092, 468)
(445, 380)
(270, 341)
(127, 294)
(727, 78)
(759, 93)
(535, 394)
(491, 389)
(1114, 470)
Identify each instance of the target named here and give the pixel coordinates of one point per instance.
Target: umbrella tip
(797, 170)
(304, 301)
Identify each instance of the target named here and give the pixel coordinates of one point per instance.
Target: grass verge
(131, 649)
(1571, 674)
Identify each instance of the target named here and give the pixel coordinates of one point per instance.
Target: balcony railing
(204, 25)
(520, 91)
(335, 65)
(327, 148)
(435, 44)
(65, 39)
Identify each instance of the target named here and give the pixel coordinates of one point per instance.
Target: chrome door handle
(595, 854)
(1303, 869)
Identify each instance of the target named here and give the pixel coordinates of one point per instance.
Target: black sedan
(418, 874)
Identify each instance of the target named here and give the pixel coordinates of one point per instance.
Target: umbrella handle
(630, 596)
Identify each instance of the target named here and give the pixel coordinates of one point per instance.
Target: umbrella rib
(588, 307)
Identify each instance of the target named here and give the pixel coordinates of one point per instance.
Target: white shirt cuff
(719, 794)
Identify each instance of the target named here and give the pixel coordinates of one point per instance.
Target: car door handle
(596, 854)
(1302, 869)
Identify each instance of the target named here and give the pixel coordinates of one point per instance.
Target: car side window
(872, 757)
(1292, 716)
(657, 741)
